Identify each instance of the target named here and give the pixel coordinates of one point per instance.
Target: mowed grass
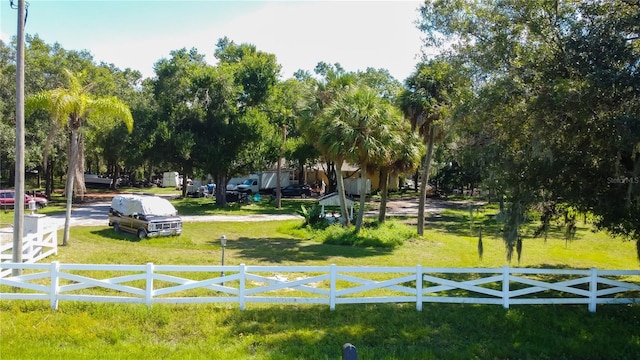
(30, 330)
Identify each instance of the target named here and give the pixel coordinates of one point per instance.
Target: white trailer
(265, 181)
(352, 186)
(171, 179)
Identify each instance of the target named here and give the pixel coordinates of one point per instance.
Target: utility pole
(18, 205)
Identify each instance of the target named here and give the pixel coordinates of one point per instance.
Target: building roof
(333, 200)
(345, 166)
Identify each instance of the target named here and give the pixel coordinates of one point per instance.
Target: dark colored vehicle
(296, 190)
(7, 199)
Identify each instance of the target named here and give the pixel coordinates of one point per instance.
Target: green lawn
(30, 330)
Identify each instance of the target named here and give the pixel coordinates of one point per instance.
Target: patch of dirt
(408, 206)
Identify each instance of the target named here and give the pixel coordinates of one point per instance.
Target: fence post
(419, 287)
(332, 287)
(241, 290)
(505, 286)
(148, 293)
(349, 352)
(55, 280)
(593, 290)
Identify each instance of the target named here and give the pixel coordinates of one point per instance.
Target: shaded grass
(207, 206)
(440, 331)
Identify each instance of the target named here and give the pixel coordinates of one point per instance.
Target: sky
(137, 33)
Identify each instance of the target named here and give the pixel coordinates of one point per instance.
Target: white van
(145, 216)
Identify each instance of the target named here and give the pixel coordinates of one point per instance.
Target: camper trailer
(171, 179)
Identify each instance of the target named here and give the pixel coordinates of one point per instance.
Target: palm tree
(405, 150)
(331, 143)
(74, 107)
(425, 102)
(316, 125)
(360, 123)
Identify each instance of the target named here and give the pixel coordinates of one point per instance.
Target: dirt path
(408, 206)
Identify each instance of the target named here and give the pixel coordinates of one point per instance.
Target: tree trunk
(278, 185)
(331, 176)
(70, 184)
(221, 190)
(12, 176)
(279, 168)
(341, 196)
(185, 175)
(363, 197)
(384, 191)
(80, 187)
(48, 177)
(302, 174)
(115, 174)
(425, 180)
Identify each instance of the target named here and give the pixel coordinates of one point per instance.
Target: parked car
(7, 199)
(145, 216)
(291, 190)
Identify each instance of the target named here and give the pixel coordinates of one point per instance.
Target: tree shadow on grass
(109, 233)
(491, 227)
(440, 331)
(279, 250)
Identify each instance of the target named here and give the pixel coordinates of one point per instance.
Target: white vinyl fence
(329, 285)
(35, 246)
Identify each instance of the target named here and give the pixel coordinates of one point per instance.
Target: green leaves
(555, 104)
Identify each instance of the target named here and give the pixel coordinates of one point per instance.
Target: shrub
(311, 216)
(387, 235)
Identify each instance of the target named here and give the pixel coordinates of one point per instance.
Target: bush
(388, 235)
(311, 216)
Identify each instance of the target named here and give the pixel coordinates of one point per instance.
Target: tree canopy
(554, 112)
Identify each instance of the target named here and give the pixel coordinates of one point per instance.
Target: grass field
(30, 330)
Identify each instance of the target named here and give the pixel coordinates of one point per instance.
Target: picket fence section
(35, 246)
(329, 285)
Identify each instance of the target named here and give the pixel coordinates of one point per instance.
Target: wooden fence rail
(330, 285)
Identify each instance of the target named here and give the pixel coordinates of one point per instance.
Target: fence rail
(35, 246)
(329, 285)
